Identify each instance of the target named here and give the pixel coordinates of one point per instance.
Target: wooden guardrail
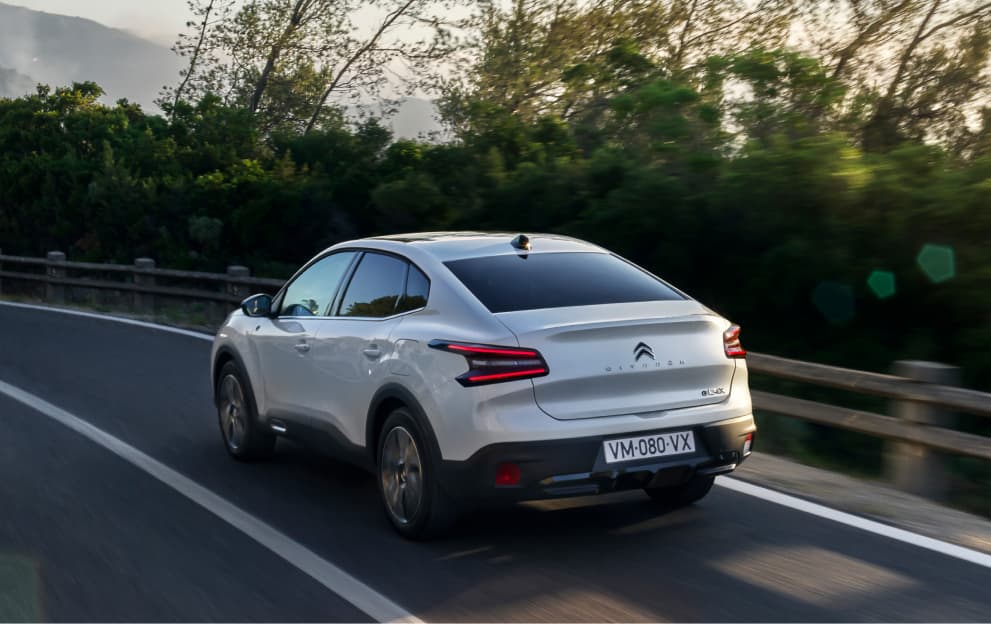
(918, 428)
(145, 282)
(878, 384)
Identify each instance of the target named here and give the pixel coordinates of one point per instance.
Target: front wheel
(682, 495)
(414, 502)
(243, 437)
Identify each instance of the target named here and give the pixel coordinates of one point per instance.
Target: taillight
(731, 342)
(491, 364)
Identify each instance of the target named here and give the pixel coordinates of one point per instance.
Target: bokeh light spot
(834, 301)
(938, 262)
(20, 598)
(882, 284)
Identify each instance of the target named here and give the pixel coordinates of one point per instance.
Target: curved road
(87, 535)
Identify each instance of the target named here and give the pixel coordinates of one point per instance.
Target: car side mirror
(257, 305)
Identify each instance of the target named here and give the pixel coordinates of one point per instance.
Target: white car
(471, 368)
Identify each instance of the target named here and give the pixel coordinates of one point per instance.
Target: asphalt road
(85, 535)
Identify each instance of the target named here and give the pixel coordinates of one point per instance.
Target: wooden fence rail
(141, 279)
(878, 384)
(918, 430)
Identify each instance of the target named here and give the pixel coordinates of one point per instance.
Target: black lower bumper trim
(577, 467)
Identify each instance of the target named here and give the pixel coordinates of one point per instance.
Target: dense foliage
(763, 231)
(793, 192)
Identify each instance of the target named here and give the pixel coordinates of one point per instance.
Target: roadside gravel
(870, 499)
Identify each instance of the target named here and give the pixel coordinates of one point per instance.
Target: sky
(161, 21)
(158, 20)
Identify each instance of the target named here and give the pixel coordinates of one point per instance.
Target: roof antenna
(521, 242)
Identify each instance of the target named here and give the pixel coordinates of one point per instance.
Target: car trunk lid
(626, 358)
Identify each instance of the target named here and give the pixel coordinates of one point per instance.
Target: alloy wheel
(401, 472)
(232, 412)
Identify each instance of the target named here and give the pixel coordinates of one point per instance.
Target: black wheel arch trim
(227, 352)
(400, 393)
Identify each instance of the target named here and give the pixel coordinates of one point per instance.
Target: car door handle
(303, 347)
(372, 352)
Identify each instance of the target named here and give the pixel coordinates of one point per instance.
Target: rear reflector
(507, 474)
(492, 364)
(731, 343)
(748, 443)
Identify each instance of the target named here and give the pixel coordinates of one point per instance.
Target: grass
(837, 450)
(193, 316)
(862, 456)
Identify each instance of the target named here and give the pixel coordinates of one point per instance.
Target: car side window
(375, 288)
(417, 291)
(312, 292)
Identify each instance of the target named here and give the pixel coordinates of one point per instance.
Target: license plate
(643, 447)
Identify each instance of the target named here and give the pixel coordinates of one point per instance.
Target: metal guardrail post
(144, 303)
(914, 468)
(234, 289)
(55, 293)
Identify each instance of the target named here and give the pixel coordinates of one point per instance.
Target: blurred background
(819, 171)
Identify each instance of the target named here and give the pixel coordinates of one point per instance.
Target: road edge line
(108, 317)
(347, 587)
(855, 521)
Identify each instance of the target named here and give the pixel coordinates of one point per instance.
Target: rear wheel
(413, 500)
(682, 495)
(243, 437)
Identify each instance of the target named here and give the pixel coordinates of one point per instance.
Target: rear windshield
(509, 283)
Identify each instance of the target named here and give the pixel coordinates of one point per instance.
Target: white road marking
(335, 579)
(792, 502)
(107, 317)
(871, 526)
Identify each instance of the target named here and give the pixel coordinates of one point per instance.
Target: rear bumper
(577, 466)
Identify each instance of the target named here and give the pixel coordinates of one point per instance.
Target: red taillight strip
(492, 363)
(496, 376)
(731, 343)
(491, 351)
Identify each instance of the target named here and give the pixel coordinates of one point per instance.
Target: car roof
(447, 246)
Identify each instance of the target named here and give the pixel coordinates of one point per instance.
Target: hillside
(38, 47)
(14, 83)
(59, 50)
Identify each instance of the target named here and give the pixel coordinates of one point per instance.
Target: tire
(243, 436)
(408, 483)
(682, 495)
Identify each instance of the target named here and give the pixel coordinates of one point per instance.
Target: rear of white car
(607, 379)
(528, 368)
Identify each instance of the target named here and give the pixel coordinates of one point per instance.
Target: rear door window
(511, 282)
(375, 288)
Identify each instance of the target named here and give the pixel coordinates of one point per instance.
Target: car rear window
(509, 283)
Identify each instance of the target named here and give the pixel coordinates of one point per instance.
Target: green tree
(914, 68)
(567, 58)
(293, 63)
